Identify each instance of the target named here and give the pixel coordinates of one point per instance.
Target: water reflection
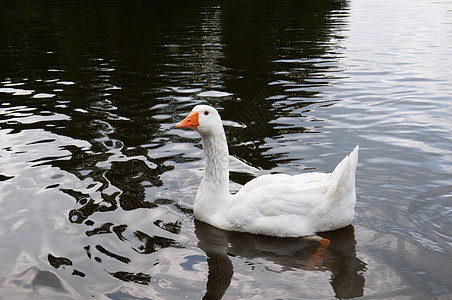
(347, 271)
(94, 178)
(115, 104)
(35, 279)
(270, 82)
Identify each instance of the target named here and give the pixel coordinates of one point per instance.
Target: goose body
(275, 204)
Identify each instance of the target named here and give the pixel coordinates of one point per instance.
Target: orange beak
(190, 122)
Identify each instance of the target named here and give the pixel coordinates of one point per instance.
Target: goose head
(203, 118)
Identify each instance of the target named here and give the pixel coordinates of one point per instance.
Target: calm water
(97, 187)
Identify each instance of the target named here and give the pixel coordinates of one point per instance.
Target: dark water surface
(97, 187)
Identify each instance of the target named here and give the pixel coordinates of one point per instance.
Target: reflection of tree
(267, 43)
(147, 245)
(128, 176)
(153, 243)
(89, 206)
(133, 277)
(109, 103)
(290, 253)
(257, 33)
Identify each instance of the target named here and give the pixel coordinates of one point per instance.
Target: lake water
(97, 186)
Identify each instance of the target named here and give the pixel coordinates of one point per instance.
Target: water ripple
(97, 186)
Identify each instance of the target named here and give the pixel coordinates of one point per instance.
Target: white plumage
(276, 204)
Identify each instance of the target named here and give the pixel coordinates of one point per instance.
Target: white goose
(276, 204)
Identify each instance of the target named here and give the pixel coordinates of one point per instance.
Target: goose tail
(343, 176)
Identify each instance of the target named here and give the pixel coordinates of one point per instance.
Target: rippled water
(97, 187)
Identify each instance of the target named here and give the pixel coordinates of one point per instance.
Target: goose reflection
(340, 258)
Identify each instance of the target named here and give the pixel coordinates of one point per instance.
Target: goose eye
(206, 112)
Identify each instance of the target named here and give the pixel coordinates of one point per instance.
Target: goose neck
(216, 161)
